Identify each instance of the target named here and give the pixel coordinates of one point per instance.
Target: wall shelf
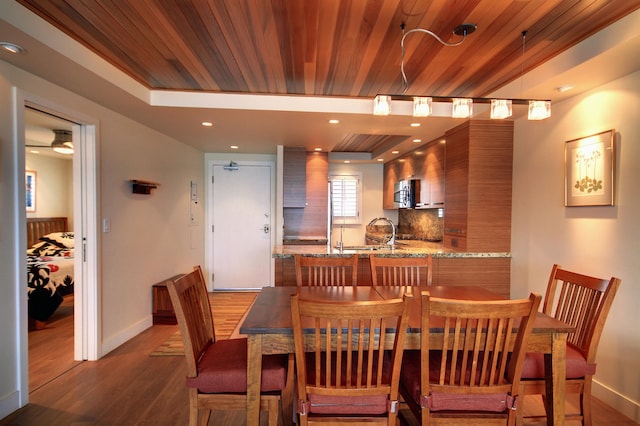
(142, 186)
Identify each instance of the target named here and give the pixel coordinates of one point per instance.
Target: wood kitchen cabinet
(435, 161)
(478, 170)
(309, 223)
(392, 174)
(426, 164)
(294, 177)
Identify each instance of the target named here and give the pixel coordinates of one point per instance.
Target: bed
(50, 264)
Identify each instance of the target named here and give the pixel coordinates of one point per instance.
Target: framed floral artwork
(30, 182)
(590, 170)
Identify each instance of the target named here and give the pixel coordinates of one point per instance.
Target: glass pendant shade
(462, 108)
(382, 105)
(539, 110)
(421, 106)
(501, 108)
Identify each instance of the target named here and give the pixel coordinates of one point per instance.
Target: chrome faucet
(392, 240)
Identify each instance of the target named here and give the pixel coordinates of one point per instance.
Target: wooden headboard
(40, 226)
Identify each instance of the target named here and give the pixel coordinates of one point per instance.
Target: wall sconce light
(539, 110)
(462, 108)
(501, 108)
(382, 105)
(421, 106)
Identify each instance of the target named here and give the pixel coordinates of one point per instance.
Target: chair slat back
(582, 301)
(193, 310)
(478, 338)
(326, 271)
(401, 271)
(345, 339)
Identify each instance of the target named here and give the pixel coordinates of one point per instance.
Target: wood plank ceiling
(327, 47)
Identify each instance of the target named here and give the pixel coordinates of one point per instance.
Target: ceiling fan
(62, 142)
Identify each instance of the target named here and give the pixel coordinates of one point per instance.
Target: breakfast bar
(488, 270)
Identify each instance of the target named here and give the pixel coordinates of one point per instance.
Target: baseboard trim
(616, 400)
(114, 341)
(9, 403)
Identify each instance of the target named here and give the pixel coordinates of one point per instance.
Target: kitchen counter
(404, 248)
(489, 270)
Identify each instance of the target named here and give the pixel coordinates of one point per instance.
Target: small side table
(163, 312)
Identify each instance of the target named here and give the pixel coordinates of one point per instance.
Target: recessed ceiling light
(11, 47)
(318, 149)
(234, 147)
(565, 87)
(334, 121)
(395, 152)
(415, 124)
(207, 123)
(380, 159)
(417, 140)
(347, 161)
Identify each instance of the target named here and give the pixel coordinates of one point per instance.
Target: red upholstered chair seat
(223, 369)
(326, 404)
(410, 378)
(577, 366)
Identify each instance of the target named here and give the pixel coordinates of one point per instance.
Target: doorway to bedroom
(50, 245)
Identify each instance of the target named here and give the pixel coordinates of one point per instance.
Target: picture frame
(30, 183)
(590, 170)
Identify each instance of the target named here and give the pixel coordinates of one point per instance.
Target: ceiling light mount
(63, 142)
(464, 29)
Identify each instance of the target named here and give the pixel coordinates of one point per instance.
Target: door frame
(87, 334)
(223, 161)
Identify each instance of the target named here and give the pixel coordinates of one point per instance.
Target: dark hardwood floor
(129, 387)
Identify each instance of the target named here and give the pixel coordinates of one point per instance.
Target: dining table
(269, 330)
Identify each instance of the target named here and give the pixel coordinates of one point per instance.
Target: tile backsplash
(422, 224)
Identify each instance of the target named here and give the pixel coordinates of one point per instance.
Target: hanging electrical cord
(524, 36)
(461, 30)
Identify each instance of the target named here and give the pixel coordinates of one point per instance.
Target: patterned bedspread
(49, 274)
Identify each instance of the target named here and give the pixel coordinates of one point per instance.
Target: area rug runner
(227, 307)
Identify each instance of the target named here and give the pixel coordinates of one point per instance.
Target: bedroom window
(346, 198)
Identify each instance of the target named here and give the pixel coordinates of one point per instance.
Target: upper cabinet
(294, 176)
(478, 171)
(305, 217)
(392, 174)
(430, 160)
(426, 164)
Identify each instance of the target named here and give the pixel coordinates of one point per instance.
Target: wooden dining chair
(472, 375)
(344, 375)
(326, 271)
(399, 271)
(583, 302)
(217, 369)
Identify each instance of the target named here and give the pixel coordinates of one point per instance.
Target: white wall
(599, 241)
(151, 237)
(54, 190)
(372, 175)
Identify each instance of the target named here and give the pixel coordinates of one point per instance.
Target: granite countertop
(404, 248)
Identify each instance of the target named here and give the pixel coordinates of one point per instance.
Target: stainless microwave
(405, 193)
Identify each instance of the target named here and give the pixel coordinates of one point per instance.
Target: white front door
(241, 226)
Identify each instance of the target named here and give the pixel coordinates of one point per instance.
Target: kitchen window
(346, 198)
